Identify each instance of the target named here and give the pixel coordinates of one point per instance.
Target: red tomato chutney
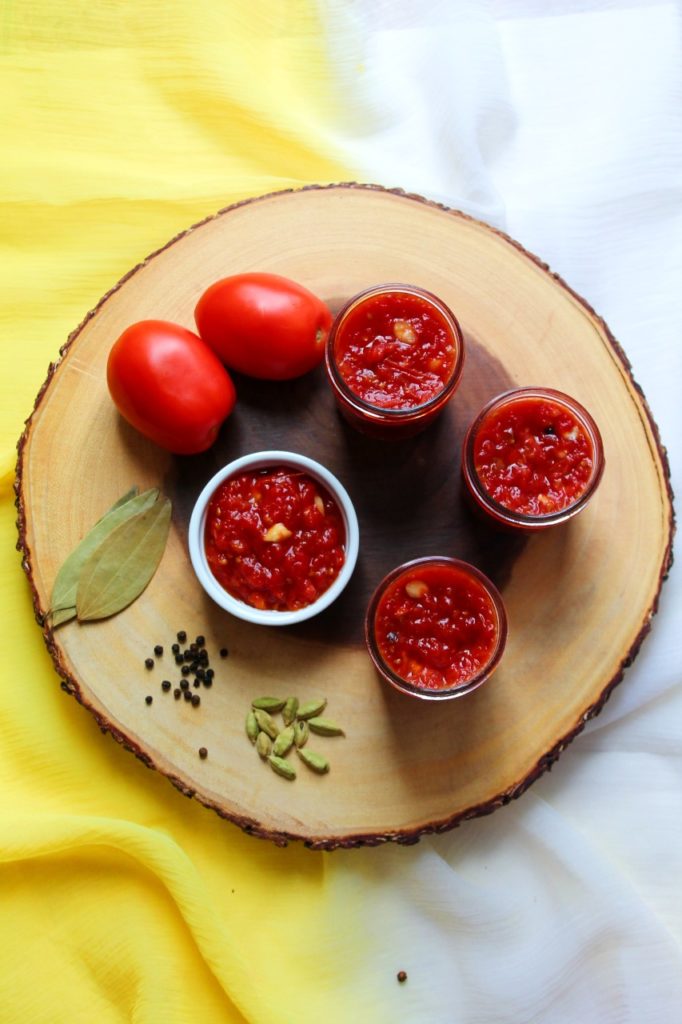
(438, 625)
(275, 538)
(395, 349)
(533, 456)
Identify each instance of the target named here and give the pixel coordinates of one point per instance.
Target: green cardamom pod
(311, 709)
(266, 722)
(284, 742)
(289, 710)
(271, 704)
(323, 727)
(282, 767)
(301, 733)
(263, 745)
(314, 761)
(252, 727)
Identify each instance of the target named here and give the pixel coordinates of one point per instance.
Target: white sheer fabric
(560, 123)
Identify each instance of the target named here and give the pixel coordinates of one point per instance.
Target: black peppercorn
(203, 753)
(209, 673)
(208, 682)
(149, 663)
(196, 684)
(177, 693)
(184, 684)
(224, 652)
(158, 650)
(402, 976)
(196, 700)
(175, 648)
(148, 699)
(182, 636)
(185, 670)
(187, 695)
(179, 659)
(200, 641)
(165, 685)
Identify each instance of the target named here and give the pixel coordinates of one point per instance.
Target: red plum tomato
(169, 385)
(264, 325)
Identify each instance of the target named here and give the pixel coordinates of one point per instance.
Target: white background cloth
(560, 123)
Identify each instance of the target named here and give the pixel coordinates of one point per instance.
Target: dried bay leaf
(124, 498)
(63, 599)
(60, 615)
(120, 568)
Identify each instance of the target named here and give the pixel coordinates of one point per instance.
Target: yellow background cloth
(123, 123)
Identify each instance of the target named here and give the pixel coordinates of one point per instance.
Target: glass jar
(394, 358)
(532, 458)
(436, 628)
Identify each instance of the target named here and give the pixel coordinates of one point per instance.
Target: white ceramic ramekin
(197, 550)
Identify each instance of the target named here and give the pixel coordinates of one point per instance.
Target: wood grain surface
(579, 599)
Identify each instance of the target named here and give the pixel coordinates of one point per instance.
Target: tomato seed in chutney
(533, 456)
(275, 538)
(436, 626)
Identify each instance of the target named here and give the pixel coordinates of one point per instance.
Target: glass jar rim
(379, 412)
(483, 674)
(501, 511)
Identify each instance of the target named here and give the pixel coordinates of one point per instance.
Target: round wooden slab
(580, 599)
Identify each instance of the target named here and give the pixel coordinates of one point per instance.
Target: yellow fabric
(120, 899)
